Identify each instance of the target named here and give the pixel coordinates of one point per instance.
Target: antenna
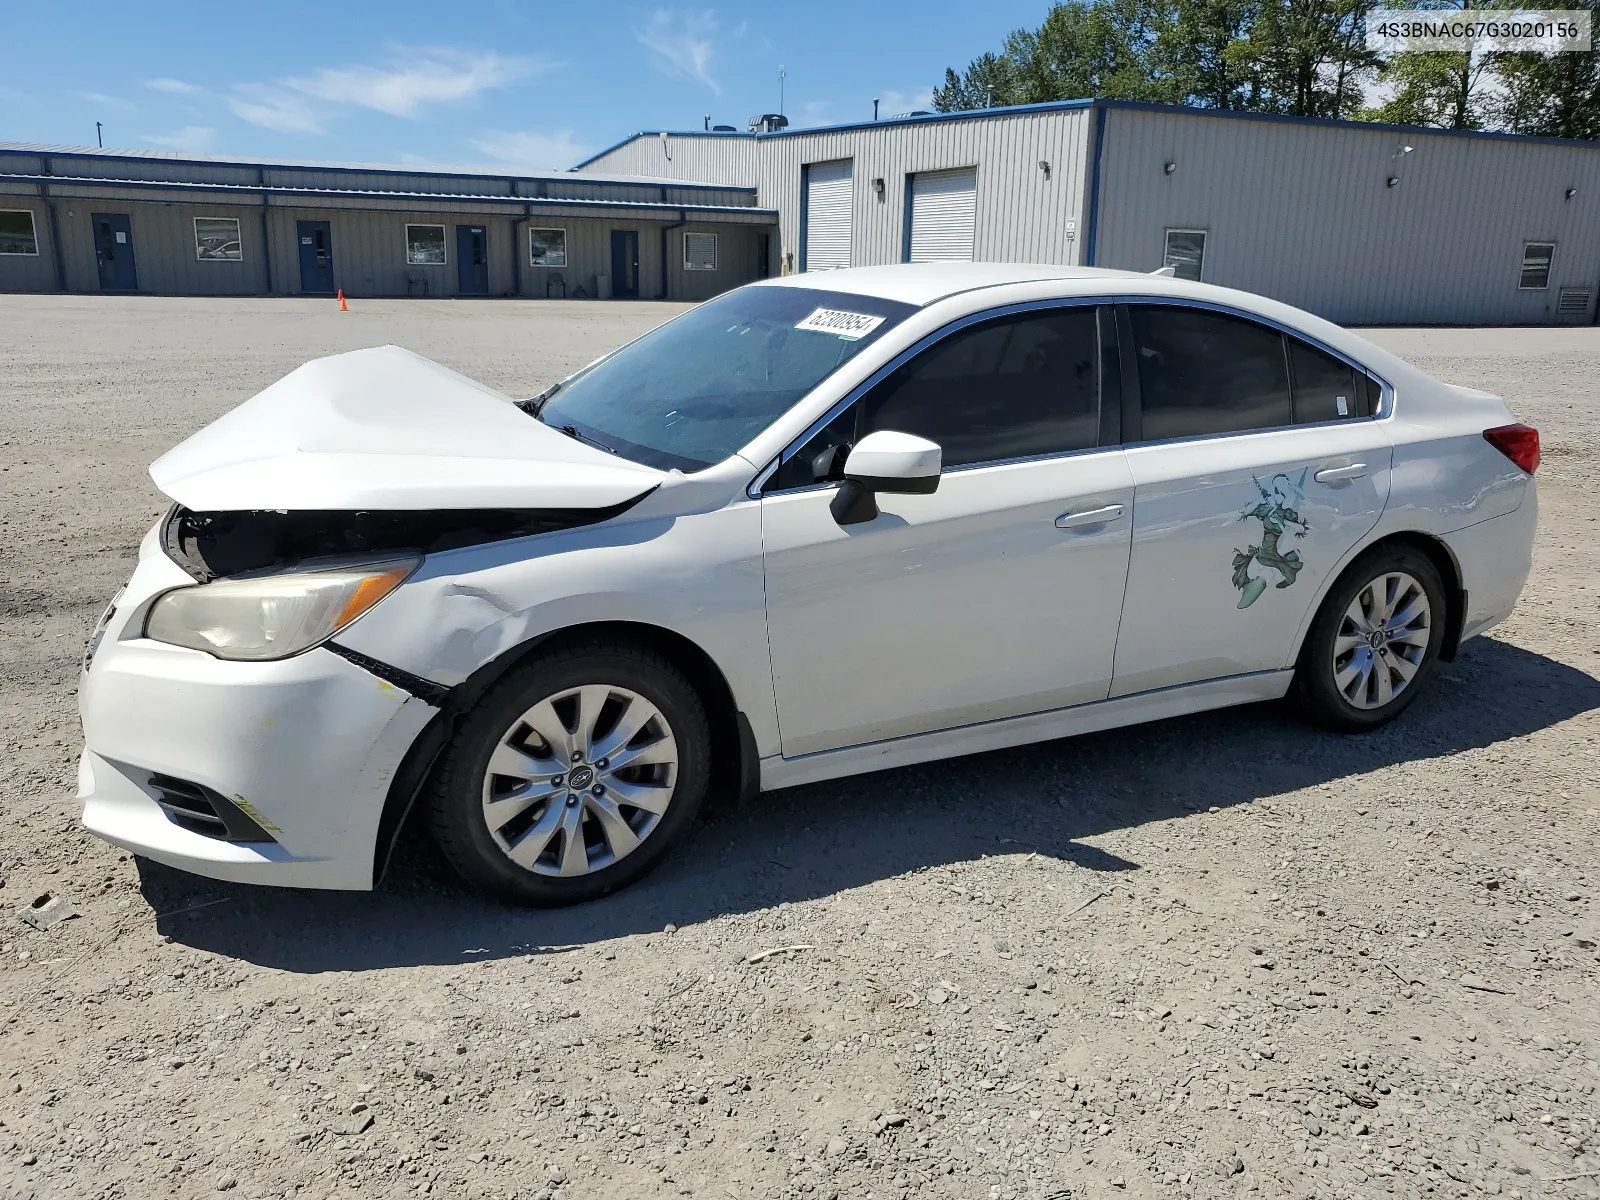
(782, 73)
(98, 140)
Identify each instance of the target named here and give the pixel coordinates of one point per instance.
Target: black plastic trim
(425, 690)
(181, 798)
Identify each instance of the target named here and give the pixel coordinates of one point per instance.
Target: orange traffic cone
(343, 307)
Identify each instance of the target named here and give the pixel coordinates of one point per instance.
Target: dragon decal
(1277, 510)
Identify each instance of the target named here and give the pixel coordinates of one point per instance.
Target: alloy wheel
(1382, 640)
(580, 780)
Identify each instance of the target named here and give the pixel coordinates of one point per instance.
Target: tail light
(1519, 443)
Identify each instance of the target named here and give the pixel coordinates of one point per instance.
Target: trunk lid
(386, 429)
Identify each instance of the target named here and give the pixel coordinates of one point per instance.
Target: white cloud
(895, 103)
(192, 138)
(174, 87)
(274, 108)
(414, 78)
(681, 42)
(101, 98)
(525, 151)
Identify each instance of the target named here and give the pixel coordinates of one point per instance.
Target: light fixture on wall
(1571, 192)
(877, 186)
(1044, 165)
(1169, 168)
(1391, 181)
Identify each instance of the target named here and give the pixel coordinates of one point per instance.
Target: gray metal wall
(1023, 214)
(28, 272)
(1302, 212)
(706, 157)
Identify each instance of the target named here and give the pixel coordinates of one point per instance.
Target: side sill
(778, 772)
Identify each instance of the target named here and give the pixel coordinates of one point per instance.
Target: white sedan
(820, 525)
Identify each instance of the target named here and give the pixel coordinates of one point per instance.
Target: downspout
(266, 240)
(516, 248)
(55, 231)
(1094, 185)
(683, 219)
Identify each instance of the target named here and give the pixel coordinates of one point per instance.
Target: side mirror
(886, 461)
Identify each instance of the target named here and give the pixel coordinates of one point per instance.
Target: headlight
(272, 616)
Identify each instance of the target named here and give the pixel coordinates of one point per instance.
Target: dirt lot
(1218, 956)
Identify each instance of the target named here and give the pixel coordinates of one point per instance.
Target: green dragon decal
(1276, 511)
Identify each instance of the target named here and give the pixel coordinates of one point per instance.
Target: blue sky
(497, 83)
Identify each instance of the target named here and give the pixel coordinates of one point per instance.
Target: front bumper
(306, 746)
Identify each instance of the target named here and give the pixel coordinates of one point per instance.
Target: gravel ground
(1218, 956)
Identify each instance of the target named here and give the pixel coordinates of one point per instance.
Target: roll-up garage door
(944, 210)
(828, 206)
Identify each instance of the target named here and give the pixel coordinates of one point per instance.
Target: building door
(113, 251)
(472, 260)
(625, 264)
(316, 257)
(825, 200)
(943, 210)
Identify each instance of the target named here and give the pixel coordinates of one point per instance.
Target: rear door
(1257, 466)
(113, 252)
(996, 596)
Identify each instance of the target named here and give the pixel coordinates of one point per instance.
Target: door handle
(1092, 516)
(1340, 474)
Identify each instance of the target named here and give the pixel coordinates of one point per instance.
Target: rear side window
(1203, 372)
(1010, 388)
(1326, 389)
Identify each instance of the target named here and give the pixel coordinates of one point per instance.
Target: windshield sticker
(850, 326)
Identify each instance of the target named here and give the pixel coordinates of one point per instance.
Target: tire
(1352, 675)
(503, 806)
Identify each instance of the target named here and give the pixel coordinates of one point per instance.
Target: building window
(1536, 265)
(699, 252)
(1186, 252)
(425, 245)
(16, 233)
(216, 239)
(547, 247)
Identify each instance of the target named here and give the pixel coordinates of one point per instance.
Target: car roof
(924, 283)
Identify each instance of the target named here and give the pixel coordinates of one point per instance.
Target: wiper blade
(536, 406)
(573, 433)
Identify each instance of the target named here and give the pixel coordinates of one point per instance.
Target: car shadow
(824, 838)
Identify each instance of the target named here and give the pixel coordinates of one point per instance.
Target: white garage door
(944, 210)
(828, 204)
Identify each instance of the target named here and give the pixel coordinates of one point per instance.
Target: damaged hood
(388, 429)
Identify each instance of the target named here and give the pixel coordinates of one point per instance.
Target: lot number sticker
(847, 325)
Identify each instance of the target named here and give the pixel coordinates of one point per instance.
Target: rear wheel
(1374, 641)
(573, 776)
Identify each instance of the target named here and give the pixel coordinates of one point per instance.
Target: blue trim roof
(1129, 105)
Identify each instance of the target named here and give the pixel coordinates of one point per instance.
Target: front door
(625, 264)
(316, 257)
(1260, 468)
(472, 260)
(996, 596)
(113, 251)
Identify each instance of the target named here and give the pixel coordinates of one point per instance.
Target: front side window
(1014, 387)
(16, 233)
(695, 390)
(547, 247)
(425, 245)
(216, 239)
(699, 252)
(1186, 253)
(1202, 372)
(1536, 258)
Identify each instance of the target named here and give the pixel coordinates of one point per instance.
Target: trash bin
(602, 287)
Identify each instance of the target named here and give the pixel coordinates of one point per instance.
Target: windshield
(694, 391)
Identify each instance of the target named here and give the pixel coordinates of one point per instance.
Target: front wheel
(573, 776)
(1374, 640)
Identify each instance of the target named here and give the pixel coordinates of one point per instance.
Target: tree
(1444, 88)
(1204, 47)
(1552, 95)
(1310, 57)
(987, 81)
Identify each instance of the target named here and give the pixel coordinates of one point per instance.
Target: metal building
(1361, 223)
(75, 220)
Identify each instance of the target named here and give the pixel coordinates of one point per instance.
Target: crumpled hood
(388, 429)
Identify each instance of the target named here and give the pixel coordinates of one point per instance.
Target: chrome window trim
(1385, 398)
